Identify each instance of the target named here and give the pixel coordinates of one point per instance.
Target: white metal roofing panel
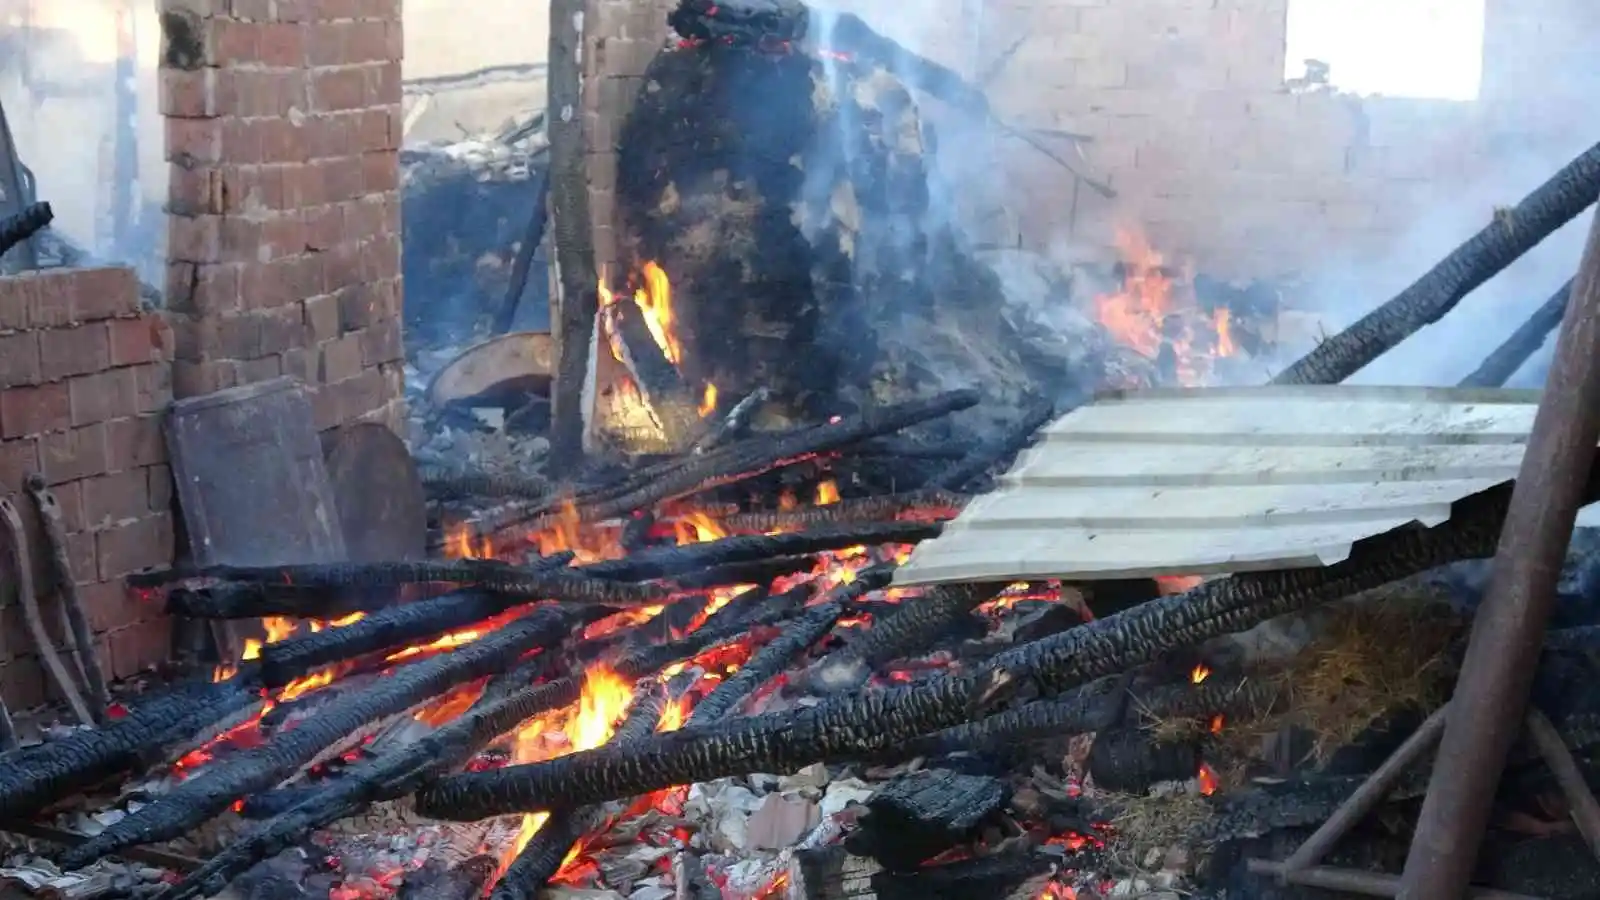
(1203, 481)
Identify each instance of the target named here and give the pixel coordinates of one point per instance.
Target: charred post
(921, 815)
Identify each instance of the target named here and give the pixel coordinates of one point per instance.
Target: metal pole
(1486, 712)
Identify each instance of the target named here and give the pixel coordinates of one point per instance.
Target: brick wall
(84, 376)
(283, 128)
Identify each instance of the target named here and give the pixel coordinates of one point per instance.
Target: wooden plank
(1058, 465)
(1032, 507)
(1325, 423)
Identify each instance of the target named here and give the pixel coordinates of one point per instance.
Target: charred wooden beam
(217, 787)
(33, 778)
(577, 300)
(671, 403)
(1512, 232)
(1005, 445)
(489, 575)
(875, 722)
(832, 873)
(665, 562)
(468, 485)
(15, 229)
(385, 629)
(66, 585)
(911, 629)
(918, 816)
(926, 505)
(1498, 367)
(253, 601)
(756, 571)
(734, 424)
(746, 459)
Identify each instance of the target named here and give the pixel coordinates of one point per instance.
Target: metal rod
(1585, 809)
(1368, 795)
(1367, 884)
(1491, 693)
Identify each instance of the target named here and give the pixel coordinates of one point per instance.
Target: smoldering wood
(386, 629)
(86, 658)
(918, 816)
(873, 723)
(462, 881)
(636, 530)
(771, 661)
(577, 298)
(832, 873)
(468, 485)
(1130, 761)
(927, 504)
(673, 406)
(1498, 367)
(664, 562)
(745, 459)
(1001, 448)
(487, 574)
(32, 778)
(756, 571)
(1510, 234)
(910, 629)
(734, 424)
(541, 858)
(253, 601)
(219, 785)
(22, 569)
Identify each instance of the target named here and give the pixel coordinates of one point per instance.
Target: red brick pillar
(283, 128)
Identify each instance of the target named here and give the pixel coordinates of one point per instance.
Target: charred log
(211, 792)
(757, 571)
(1130, 760)
(930, 504)
(1498, 367)
(636, 532)
(489, 575)
(665, 562)
(834, 874)
(1512, 233)
(663, 387)
(735, 424)
(461, 882)
(1007, 444)
(875, 722)
(911, 629)
(466, 486)
(253, 601)
(918, 816)
(33, 778)
(25, 224)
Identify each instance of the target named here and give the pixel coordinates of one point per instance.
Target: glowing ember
(708, 401)
(1177, 584)
(1216, 724)
(1057, 891)
(1200, 673)
(827, 492)
(1207, 777)
(1152, 312)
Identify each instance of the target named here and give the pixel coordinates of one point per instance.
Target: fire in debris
(1155, 312)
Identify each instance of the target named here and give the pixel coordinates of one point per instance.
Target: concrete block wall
(283, 122)
(84, 378)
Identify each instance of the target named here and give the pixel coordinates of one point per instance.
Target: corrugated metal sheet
(1209, 480)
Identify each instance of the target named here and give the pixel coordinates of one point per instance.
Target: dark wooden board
(382, 509)
(250, 477)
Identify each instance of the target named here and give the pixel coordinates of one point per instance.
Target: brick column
(283, 128)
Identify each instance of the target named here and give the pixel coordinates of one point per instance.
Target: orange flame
(459, 543)
(1199, 673)
(1151, 310)
(1207, 777)
(654, 300)
(827, 492)
(708, 402)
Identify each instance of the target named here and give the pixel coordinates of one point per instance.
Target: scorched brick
(112, 499)
(19, 359)
(32, 410)
(136, 545)
(71, 455)
(134, 442)
(102, 396)
(101, 293)
(73, 351)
